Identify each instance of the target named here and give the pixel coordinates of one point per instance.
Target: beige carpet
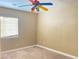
(32, 53)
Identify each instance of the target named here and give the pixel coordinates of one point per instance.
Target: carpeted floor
(32, 53)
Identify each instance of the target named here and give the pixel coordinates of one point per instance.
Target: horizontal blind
(9, 26)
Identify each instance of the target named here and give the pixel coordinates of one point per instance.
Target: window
(9, 26)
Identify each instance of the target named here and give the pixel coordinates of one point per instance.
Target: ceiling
(15, 3)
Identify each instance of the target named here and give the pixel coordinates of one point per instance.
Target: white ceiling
(12, 4)
(15, 3)
(13, 0)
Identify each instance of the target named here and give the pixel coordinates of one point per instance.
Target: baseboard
(59, 52)
(52, 50)
(17, 49)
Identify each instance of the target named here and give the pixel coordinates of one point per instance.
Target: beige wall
(0, 35)
(57, 29)
(27, 29)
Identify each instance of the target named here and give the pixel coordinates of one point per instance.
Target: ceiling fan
(37, 5)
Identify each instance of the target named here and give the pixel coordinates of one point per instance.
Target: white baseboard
(52, 50)
(17, 49)
(59, 52)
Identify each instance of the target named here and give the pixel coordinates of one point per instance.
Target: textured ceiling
(13, 0)
(15, 3)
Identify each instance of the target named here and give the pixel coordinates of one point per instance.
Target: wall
(0, 35)
(57, 28)
(27, 29)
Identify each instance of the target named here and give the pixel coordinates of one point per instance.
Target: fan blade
(35, 1)
(44, 8)
(46, 4)
(24, 5)
(31, 1)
